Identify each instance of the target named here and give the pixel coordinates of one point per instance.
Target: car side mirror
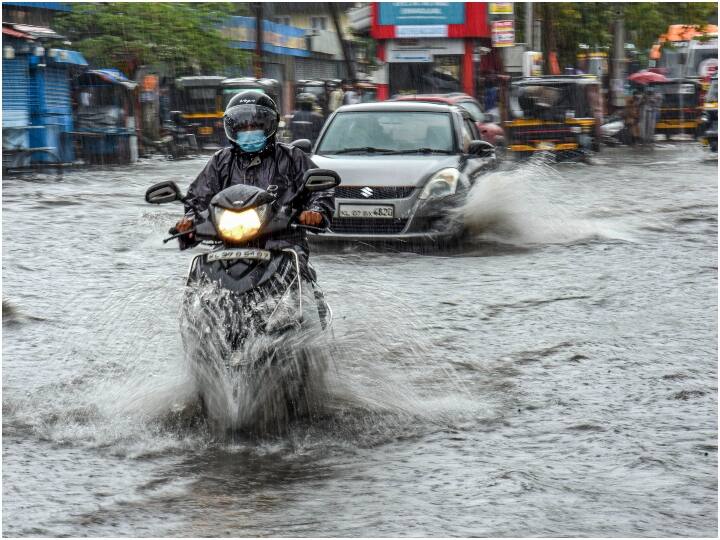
(481, 149)
(303, 144)
(164, 192)
(320, 180)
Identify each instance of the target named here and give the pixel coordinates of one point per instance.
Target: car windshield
(473, 109)
(388, 131)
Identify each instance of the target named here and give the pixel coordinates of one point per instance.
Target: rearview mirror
(164, 192)
(320, 180)
(481, 149)
(303, 144)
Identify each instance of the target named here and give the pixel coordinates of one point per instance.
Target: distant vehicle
(702, 59)
(560, 114)
(679, 112)
(669, 55)
(405, 166)
(489, 130)
(320, 88)
(709, 118)
(200, 104)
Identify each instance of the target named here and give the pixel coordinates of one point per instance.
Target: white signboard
(430, 30)
(409, 56)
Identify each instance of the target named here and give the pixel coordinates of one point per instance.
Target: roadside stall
(553, 113)
(200, 103)
(106, 117)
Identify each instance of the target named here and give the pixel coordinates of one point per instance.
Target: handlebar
(173, 232)
(309, 228)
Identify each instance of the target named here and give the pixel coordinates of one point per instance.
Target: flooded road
(558, 377)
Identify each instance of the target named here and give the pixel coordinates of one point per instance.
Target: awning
(63, 56)
(7, 31)
(114, 76)
(37, 32)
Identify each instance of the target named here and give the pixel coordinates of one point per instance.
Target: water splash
(523, 207)
(366, 381)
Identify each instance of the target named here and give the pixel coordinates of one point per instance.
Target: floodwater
(557, 377)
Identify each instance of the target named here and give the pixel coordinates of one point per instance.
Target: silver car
(404, 167)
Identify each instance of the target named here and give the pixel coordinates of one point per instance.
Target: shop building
(428, 47)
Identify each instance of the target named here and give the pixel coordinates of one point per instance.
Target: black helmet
(251, 119)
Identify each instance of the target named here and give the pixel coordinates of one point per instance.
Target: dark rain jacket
(279, 164)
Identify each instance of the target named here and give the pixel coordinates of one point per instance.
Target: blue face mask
(251, 141)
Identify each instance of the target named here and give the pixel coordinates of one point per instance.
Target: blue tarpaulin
(114, 76)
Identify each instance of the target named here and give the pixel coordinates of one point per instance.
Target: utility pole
(548, 36)
(618, 64)
(257, 57)
(347, 53)
(529, 26)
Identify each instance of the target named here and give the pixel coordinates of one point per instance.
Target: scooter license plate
(380, 211)
(205, 130)
(241, 253)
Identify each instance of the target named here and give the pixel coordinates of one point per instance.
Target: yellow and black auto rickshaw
(709, 117)
(679, 110)
(560, 114)
(201, 109)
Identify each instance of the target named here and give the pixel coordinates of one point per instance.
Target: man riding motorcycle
(256, 158)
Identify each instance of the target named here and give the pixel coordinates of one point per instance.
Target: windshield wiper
(424, 151)
(368, 149)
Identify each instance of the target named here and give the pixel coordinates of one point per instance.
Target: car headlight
(442, 184)
(239, 226)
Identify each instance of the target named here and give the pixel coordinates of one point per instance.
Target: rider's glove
(312, 218)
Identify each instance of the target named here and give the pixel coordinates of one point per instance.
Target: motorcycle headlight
(442, 184)
(239, 226)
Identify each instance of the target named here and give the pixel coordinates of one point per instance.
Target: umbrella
(646, 77)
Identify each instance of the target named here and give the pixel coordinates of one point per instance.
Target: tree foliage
(181, 36)
(590, 23)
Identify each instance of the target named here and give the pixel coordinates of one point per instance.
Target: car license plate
(232, 254)
(366, 211)
(205, 131)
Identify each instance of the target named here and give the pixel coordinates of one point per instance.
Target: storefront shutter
(15, 82)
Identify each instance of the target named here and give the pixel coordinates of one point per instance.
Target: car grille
(360, 192)
(367, 226)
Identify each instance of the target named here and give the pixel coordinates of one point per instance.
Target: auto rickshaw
(709, 117)
(271, 87)
(679, 110)
(556, 113)
(321, 89)
(200, 104)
